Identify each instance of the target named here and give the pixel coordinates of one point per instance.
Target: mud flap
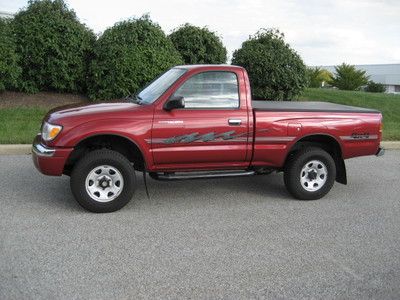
(145, 183)
(341, 175)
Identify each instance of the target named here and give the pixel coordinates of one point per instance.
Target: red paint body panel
(263, 138)
(127, 120)
(270, 151)
(51, 165)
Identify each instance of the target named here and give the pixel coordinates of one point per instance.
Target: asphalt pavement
(205, 239)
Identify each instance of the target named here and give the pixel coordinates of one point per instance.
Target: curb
(17, 149)
(25, 149)
(391, 145)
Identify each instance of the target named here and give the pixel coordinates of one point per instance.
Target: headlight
(50, 131)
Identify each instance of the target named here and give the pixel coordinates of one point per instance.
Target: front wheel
(103, 181)
(310, 174)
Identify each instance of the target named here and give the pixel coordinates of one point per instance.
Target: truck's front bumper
(380, 152)
(49, 161)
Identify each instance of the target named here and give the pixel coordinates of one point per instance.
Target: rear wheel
(310, 174)
(103, 181)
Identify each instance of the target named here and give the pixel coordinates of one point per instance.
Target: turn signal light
(50, 131)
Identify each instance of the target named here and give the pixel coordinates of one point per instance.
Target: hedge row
(277, 72)
(9, 68)
(45, 47)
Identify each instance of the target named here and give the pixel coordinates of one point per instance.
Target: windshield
(155, 89)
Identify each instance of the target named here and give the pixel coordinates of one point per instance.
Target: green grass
(19, 125)
(388, 104)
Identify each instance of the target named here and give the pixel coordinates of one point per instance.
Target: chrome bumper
(42, 150)
(380, 152)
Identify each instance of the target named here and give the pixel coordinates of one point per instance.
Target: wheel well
(327, 143)
(112, 142)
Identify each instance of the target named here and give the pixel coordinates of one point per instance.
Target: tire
(103, 181)
(310, 174)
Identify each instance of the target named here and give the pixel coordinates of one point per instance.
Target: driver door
(211, 131)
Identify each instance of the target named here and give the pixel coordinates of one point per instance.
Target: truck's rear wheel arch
(118, 143)
(327, 143)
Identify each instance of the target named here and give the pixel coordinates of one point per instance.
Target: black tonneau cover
(308, 106)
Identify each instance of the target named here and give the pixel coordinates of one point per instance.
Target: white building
(386, 74)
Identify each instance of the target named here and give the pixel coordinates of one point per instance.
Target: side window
(212, 89)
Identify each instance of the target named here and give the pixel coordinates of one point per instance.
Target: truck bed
(307, 106)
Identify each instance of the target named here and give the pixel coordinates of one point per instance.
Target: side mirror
(174, 102)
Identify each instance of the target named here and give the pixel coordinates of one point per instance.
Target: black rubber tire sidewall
(88, 163)
(295, 164)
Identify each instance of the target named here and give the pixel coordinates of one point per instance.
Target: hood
(80, 113)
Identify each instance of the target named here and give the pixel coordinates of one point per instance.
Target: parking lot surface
(226, 238)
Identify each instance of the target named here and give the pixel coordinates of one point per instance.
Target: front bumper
(49, 161)
(380, 152)
(41, 150)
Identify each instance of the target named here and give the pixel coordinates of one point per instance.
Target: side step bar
(200, 175)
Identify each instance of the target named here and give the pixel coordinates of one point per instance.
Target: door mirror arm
(174, 102)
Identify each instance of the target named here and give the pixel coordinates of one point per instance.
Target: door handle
(234, 122)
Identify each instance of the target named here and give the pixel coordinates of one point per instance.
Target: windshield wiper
(134, 99)
(139, 100)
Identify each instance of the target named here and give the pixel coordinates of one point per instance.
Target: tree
(129, 55)
(317, 76)
(373, 87)
(347, 77)
(54, 47)
(198, 45)
(9, 69)
(276, 71)
(326, 76)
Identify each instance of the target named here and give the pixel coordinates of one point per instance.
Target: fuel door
(294, 129)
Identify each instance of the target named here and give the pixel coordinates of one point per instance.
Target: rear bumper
(380, 152)
(49, 161)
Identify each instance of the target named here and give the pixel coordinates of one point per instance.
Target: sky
(323, 32)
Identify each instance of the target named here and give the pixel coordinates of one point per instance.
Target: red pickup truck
(200, 121)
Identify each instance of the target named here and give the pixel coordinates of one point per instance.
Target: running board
(200, 175)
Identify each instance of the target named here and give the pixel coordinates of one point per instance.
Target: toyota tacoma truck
(200, 121)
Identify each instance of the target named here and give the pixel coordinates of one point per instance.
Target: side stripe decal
(228, 136)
